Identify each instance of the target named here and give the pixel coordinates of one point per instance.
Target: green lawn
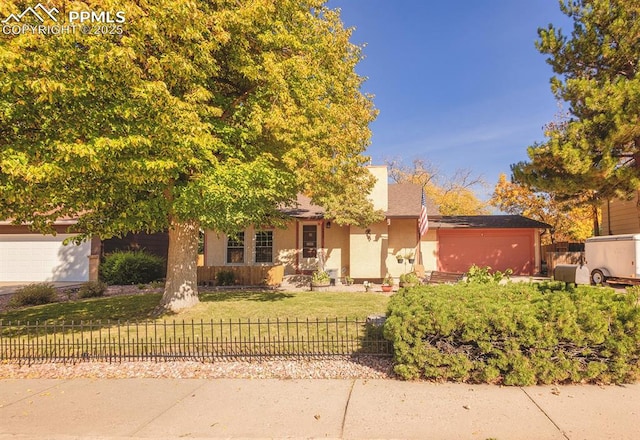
(213, 306)
(281, 323)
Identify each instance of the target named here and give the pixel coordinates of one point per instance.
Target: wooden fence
(244, 275)
(555, 258)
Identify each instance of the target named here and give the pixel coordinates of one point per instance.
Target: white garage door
(32, 257)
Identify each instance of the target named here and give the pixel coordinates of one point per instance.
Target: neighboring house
(621, 216)
(28, 256)
(452, 243)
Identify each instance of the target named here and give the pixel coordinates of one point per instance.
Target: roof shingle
(485, 221)
(405, 201)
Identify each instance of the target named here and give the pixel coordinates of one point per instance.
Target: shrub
(320, 277)
(483, 275)
(410, 278)
(33, 295)
(515, 334)
(131, 267)
(225, 278)
(92, 289)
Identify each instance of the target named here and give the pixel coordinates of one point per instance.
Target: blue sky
(459, 84)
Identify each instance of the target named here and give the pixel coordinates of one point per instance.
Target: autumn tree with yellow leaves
(453, 195)
(568, 222)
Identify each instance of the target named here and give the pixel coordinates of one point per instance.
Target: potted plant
(400, 258)
(348, 280)
(409, 257)
(409, 279)
(320, 279)
(387, 283)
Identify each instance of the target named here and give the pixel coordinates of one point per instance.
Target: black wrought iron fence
(203, 340)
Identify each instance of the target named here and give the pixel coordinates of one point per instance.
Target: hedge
(131, 267)
(515, 334)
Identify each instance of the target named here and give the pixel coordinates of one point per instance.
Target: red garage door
(500, 249)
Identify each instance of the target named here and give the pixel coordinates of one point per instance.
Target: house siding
(403, 239)
(429, 250)
(336, 245)
(369, 252)
(157, 243)
(284, 248)
(621, 217)
(379, 193)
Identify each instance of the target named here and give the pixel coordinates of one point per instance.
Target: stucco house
(452, 243)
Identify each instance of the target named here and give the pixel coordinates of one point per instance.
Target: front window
(235, 249)
(264, 247)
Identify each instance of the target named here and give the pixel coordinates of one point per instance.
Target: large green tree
(200, 114)
(594, 153)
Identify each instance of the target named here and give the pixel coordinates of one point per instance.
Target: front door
(309, 247)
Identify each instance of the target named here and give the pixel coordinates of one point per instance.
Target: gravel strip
(361, 368)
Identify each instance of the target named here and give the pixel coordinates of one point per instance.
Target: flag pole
(423, 224)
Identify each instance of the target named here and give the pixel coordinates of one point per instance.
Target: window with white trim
(264, 247)
(235, 249)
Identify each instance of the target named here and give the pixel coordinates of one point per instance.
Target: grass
(213, 305)
(220, 316)
(300, 305)
(123, 308)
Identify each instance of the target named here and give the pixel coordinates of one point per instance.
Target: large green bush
(515, 334)
(33, 295)
(131, 267)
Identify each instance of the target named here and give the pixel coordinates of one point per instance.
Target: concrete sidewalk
(335, 409)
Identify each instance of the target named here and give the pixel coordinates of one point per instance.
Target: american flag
(423, 220)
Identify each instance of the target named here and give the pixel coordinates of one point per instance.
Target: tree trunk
(181, 288)
(596, 222)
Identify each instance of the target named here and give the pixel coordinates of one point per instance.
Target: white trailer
(613, 258)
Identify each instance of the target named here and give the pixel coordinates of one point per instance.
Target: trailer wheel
(597, 277)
